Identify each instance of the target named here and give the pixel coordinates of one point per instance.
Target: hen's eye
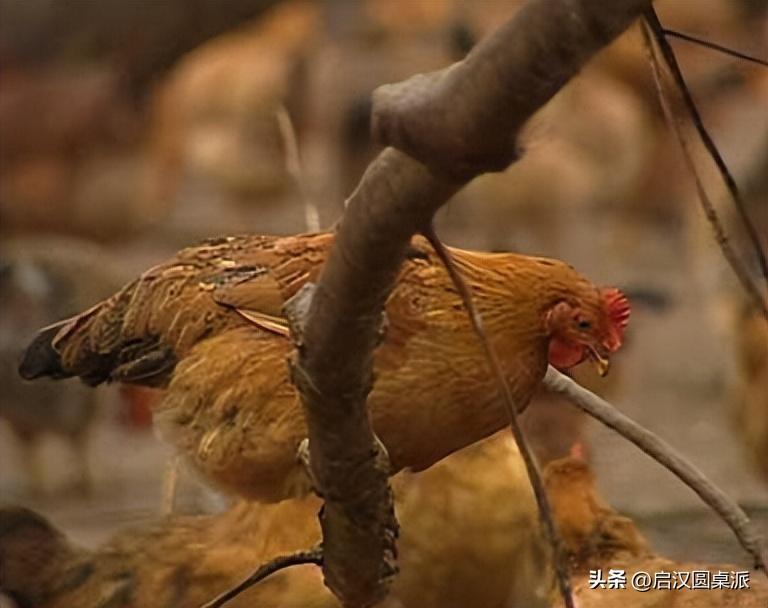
(584, 325)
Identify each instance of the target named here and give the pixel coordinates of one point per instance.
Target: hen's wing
(231, 409)
(140, 333)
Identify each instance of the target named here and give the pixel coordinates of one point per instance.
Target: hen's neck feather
(509, 287)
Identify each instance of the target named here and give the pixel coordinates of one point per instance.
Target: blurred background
(131, 129)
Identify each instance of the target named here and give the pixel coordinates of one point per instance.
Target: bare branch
(654, 28)
(706, 204)
(312, 556)
(517, 69)
(531, 467)
(464, 120)
(664, 454)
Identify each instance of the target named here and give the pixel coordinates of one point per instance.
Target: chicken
(591, 530)
(469, 536)
(470, 533)
(214, 121)
(37, 283)
(35, 558)
(598, 538)
(75, 171)
(208, 326)
(31, 412)
(174, 563)
(448, 516)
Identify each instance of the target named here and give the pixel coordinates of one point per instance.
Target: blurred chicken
(598, 538)
(41, 279)
(178, 563)
(751, 389)
(469, 536)
(618, 166)
(208, 325)
(66, 153)
(214, 127)
(592, 532)
(214, 119)
(581, 136)
(36, 560)
(32, 412)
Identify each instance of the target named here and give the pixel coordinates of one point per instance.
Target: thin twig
(534, 475)
(311, 556)
(706, 204)
(714, 46)
(293, 166)
(657, 31)
(664, 454)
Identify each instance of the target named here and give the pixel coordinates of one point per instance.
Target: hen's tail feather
(40, 358)
(43, 357)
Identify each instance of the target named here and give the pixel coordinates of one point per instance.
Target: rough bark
(458, 123)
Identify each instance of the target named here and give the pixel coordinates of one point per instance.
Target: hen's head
(588, 325)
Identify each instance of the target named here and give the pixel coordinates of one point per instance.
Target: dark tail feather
(40, 358)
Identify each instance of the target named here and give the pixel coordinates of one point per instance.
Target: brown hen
(470, 537)
(591, 530)
(178, 562)
(208, 326)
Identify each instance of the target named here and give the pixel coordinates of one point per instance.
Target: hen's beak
(601, 362)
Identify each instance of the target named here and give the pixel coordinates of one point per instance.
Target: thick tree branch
(470, 121)
(663, 453)
(464, 120)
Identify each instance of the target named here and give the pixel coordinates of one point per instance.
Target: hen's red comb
(618, 310)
